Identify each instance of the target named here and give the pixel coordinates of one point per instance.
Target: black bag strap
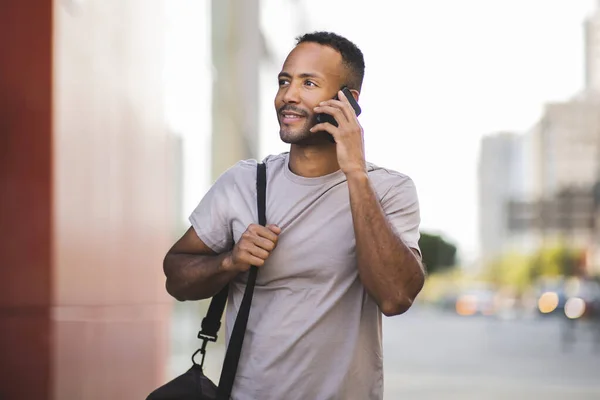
(234, 348)
(212, 321)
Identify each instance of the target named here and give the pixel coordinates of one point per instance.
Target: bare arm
(390, 270)
(195, 272)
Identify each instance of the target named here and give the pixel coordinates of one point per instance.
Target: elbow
(403, 301)
(391, 308)
(172, 286)
(174, 291)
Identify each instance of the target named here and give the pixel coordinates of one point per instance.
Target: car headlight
(574, 308)
(548, 302)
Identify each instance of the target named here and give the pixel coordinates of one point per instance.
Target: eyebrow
(302, 76)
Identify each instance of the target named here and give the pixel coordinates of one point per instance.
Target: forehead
(313, 58)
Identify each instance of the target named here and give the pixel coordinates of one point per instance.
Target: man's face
(311, 74)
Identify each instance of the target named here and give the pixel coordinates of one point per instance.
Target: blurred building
(592, 90)
(565, 153)
(568, 150)
(567, 136)
(567, 147)
(592, 51)
(503, 174)
(567, 144)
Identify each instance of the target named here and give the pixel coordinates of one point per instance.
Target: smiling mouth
(290, 118)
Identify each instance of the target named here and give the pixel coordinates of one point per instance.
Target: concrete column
(237, 50)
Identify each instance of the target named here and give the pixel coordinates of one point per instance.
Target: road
(435, 355)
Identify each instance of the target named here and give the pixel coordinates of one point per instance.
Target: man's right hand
(254, 247)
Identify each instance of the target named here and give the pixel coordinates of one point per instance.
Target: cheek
(310, 102)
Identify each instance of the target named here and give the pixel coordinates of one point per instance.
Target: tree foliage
(521, 271)
(438, 255)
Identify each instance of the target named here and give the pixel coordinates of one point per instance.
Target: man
(341, 247)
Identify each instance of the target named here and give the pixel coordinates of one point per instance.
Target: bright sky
(439, 75)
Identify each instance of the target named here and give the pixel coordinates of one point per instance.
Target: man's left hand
(348, 134)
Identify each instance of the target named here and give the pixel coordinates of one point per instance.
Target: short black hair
(352, 57)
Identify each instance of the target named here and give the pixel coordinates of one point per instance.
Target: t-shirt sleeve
(212, 219)
(401, 206)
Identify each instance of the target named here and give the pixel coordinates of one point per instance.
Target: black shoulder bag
(194, 385)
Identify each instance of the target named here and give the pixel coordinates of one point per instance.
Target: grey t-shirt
(313, 333)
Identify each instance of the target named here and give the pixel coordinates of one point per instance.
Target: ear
(355, 94)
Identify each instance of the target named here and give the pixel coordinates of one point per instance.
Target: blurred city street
(435, 355)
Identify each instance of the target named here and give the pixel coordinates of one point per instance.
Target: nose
(291, 95)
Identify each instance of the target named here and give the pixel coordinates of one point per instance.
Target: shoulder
(398, 196)
(244, 171)
(240, 171)
(385, 180)
(275, 161)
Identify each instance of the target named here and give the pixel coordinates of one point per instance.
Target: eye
(283, 82)
(310, 84)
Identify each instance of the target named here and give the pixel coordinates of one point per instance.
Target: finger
(255, 230)
(253, 260)
(274, 228)
(259, 252)
(266, 233)
(336, 112)
(263, 243)
(343, 104)
(333, 103)
(246, 255)
(325, 126)
(347, 109)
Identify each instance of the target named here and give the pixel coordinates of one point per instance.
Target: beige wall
(86, 199)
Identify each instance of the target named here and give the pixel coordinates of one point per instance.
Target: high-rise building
(565, 154)
(592, 52)
(501, 178)
(567, 147)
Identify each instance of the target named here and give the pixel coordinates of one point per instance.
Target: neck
(313, 161)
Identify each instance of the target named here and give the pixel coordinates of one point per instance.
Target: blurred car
(582, 299)
(475, 302)
(573, 298)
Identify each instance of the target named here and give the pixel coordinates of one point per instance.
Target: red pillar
(85, 200)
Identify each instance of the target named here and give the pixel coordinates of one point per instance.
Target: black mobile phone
(328, 118)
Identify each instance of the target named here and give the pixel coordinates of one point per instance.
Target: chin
(304, 138)
(294, 137)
